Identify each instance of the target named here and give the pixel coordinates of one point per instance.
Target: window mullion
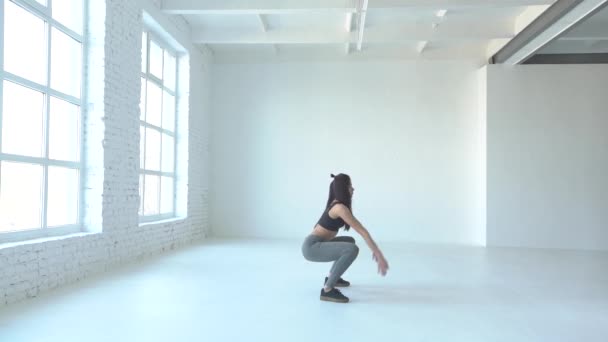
(41, 88)
(156, 80)
(160, 129)
(175, 128)
(171, 92)
(1, 99)
(35, 8)
(69, 32)
(46, 126)
(1, 66)
(157, 173)
(39, 160)
(46, 14)
(160, 151)
(142, 167)
(146, 129)
(148, 53)
(83, 114)
(143, 194)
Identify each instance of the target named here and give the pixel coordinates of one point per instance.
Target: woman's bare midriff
(326, 234)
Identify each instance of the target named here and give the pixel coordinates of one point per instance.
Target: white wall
(28, 269)
(408, 133)
(548, 156)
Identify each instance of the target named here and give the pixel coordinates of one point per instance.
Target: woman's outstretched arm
(346, 215)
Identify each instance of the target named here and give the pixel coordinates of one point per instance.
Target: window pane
(24, 44)
(66, 63)
(169, 71)
(141, 195)
(69, 13)
(156, 60)
(166, 193)
(64, 131)
(168, 152)
(144, 52)
(151, 205)
(154, 104)
(168, 111)
(142, 100)
(142, 146)
(20, 196)
(22, 118)
(63, 196)
(152, 149)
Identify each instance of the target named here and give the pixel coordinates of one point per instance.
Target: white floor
(265, 291)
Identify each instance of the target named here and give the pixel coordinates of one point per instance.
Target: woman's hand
(382, 263)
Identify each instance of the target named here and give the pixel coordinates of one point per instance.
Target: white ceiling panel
(223, 22)
(306, 21)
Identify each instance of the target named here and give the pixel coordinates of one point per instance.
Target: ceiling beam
(361, 26)
(379, 34)
(340, 6)
(556, 20)
(263, 22)
(421, 46)
(349, 27)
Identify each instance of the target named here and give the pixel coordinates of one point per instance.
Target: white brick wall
(29, 269)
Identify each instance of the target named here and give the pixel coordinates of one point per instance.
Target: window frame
(148, 76)
(45, 14)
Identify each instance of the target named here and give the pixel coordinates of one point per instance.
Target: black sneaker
(340, 283)
(333, 296)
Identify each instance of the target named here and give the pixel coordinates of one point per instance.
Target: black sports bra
(329, 223)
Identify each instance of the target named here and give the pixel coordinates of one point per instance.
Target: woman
(322, 245)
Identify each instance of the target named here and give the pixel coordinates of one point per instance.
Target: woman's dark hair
(339, 191)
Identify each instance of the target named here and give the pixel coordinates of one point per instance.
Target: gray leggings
(342, 250)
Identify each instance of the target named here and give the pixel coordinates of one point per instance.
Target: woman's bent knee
(353, 250)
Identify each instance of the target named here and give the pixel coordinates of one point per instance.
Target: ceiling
(354, 29)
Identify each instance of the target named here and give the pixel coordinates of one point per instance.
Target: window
(157, 128)
(41, 68)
